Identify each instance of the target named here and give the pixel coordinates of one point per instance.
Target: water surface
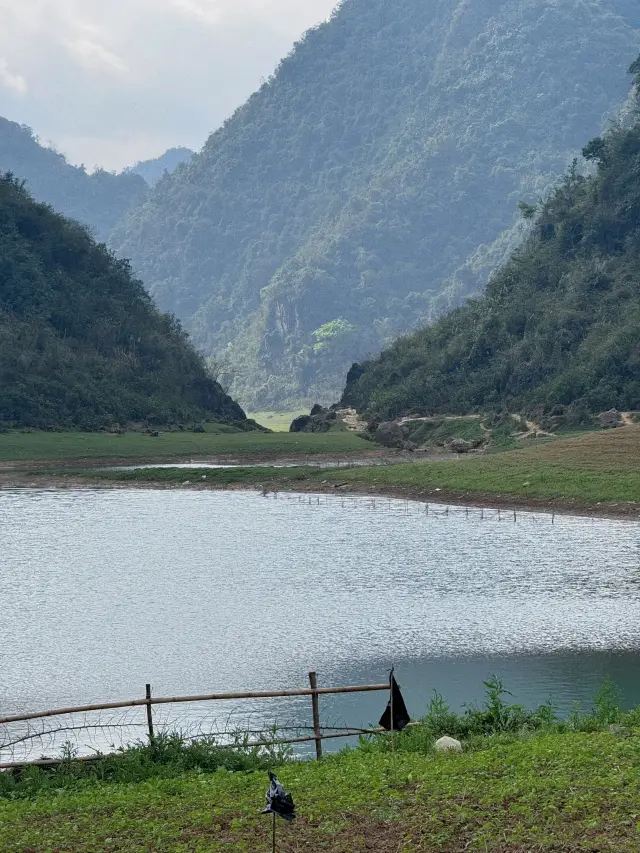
(196, 592)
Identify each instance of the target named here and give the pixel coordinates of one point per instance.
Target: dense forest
(373, 181)
(153, 170)
(98, 200)
(558, 330)
(81, 343)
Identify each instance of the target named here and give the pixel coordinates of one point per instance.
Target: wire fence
(90, 731)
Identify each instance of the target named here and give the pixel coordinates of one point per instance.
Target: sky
(111, 82)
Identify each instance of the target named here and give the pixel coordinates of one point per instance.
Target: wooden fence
(149, 701)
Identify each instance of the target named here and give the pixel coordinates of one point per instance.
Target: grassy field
(585, 470)
(277, 421)
(55, 446)
(546, 792)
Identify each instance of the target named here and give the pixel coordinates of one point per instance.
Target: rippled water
(102, 591)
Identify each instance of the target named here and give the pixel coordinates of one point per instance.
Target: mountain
(98, 200)
(367, 185)
(81, 343)
(557, 332)
(153, 170)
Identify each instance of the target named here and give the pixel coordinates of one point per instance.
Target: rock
(300, 424)
(448, 743)
(390, 434)
(318, 410)
(610, 419)
(459, 445)
(621, 731)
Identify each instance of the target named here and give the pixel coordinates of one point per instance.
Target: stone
(459, 445)
(390, 434)
(620, 731)
(446, 744)
(609, 420)
(318, 410)
(300, 424)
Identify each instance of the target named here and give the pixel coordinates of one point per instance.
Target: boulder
(610, 419)
(300, 424)
(390, 434)
(446, 744)
(459, 445)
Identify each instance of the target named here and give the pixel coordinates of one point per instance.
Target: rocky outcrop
(319, 420)
(610, 419)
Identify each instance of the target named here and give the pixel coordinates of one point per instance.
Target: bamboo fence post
(313, 681)
(152, 739)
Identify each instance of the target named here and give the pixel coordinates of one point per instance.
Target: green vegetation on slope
(81, 343)
(556, 332)
(361, 189)
(97, 200)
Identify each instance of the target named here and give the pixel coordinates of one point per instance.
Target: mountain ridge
(366, 187)
(81, 343)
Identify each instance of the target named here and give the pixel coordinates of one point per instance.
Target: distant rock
(610, 419)
(390, 434)
(459, 445)
(319, 420)
(446, 744)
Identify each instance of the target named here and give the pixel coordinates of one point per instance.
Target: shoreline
(621, 510)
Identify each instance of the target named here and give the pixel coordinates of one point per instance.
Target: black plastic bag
(278, 801)
(401, 718)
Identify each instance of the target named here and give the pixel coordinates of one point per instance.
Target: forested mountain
(98, 200)
(81, 343)
(368, 184)
(558, 330)
(153, 170)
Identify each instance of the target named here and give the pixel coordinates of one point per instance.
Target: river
(196, 592)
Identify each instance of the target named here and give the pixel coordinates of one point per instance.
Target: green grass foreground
(547, 792)
(596, 468)
(59, 446)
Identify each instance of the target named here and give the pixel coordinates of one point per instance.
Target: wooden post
(313, 682)
(152, 739)
(273, 833)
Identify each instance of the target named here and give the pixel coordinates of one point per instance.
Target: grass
(525, 782)
(58, 446)
(546, 791)
(585, 470)
(276, 421)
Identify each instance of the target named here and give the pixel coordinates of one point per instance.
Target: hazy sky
(115, 81)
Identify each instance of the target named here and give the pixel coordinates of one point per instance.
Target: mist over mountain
(97, 200)
(373, 181)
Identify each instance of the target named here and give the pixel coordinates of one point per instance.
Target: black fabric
(401, 718)
(278, 801)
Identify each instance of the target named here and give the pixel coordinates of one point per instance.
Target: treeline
(558, 328)
(81, 342)
(98, 200)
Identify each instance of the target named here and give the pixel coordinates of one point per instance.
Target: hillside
(557, 331)
(153, 170)
(368, 184)
(81, 343)
(98, 200)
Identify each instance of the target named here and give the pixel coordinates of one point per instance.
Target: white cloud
(95, 57)
(10, 80)
(118, 81)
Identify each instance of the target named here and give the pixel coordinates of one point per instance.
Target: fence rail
(149, 701)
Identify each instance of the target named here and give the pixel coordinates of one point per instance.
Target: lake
(198, 592)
